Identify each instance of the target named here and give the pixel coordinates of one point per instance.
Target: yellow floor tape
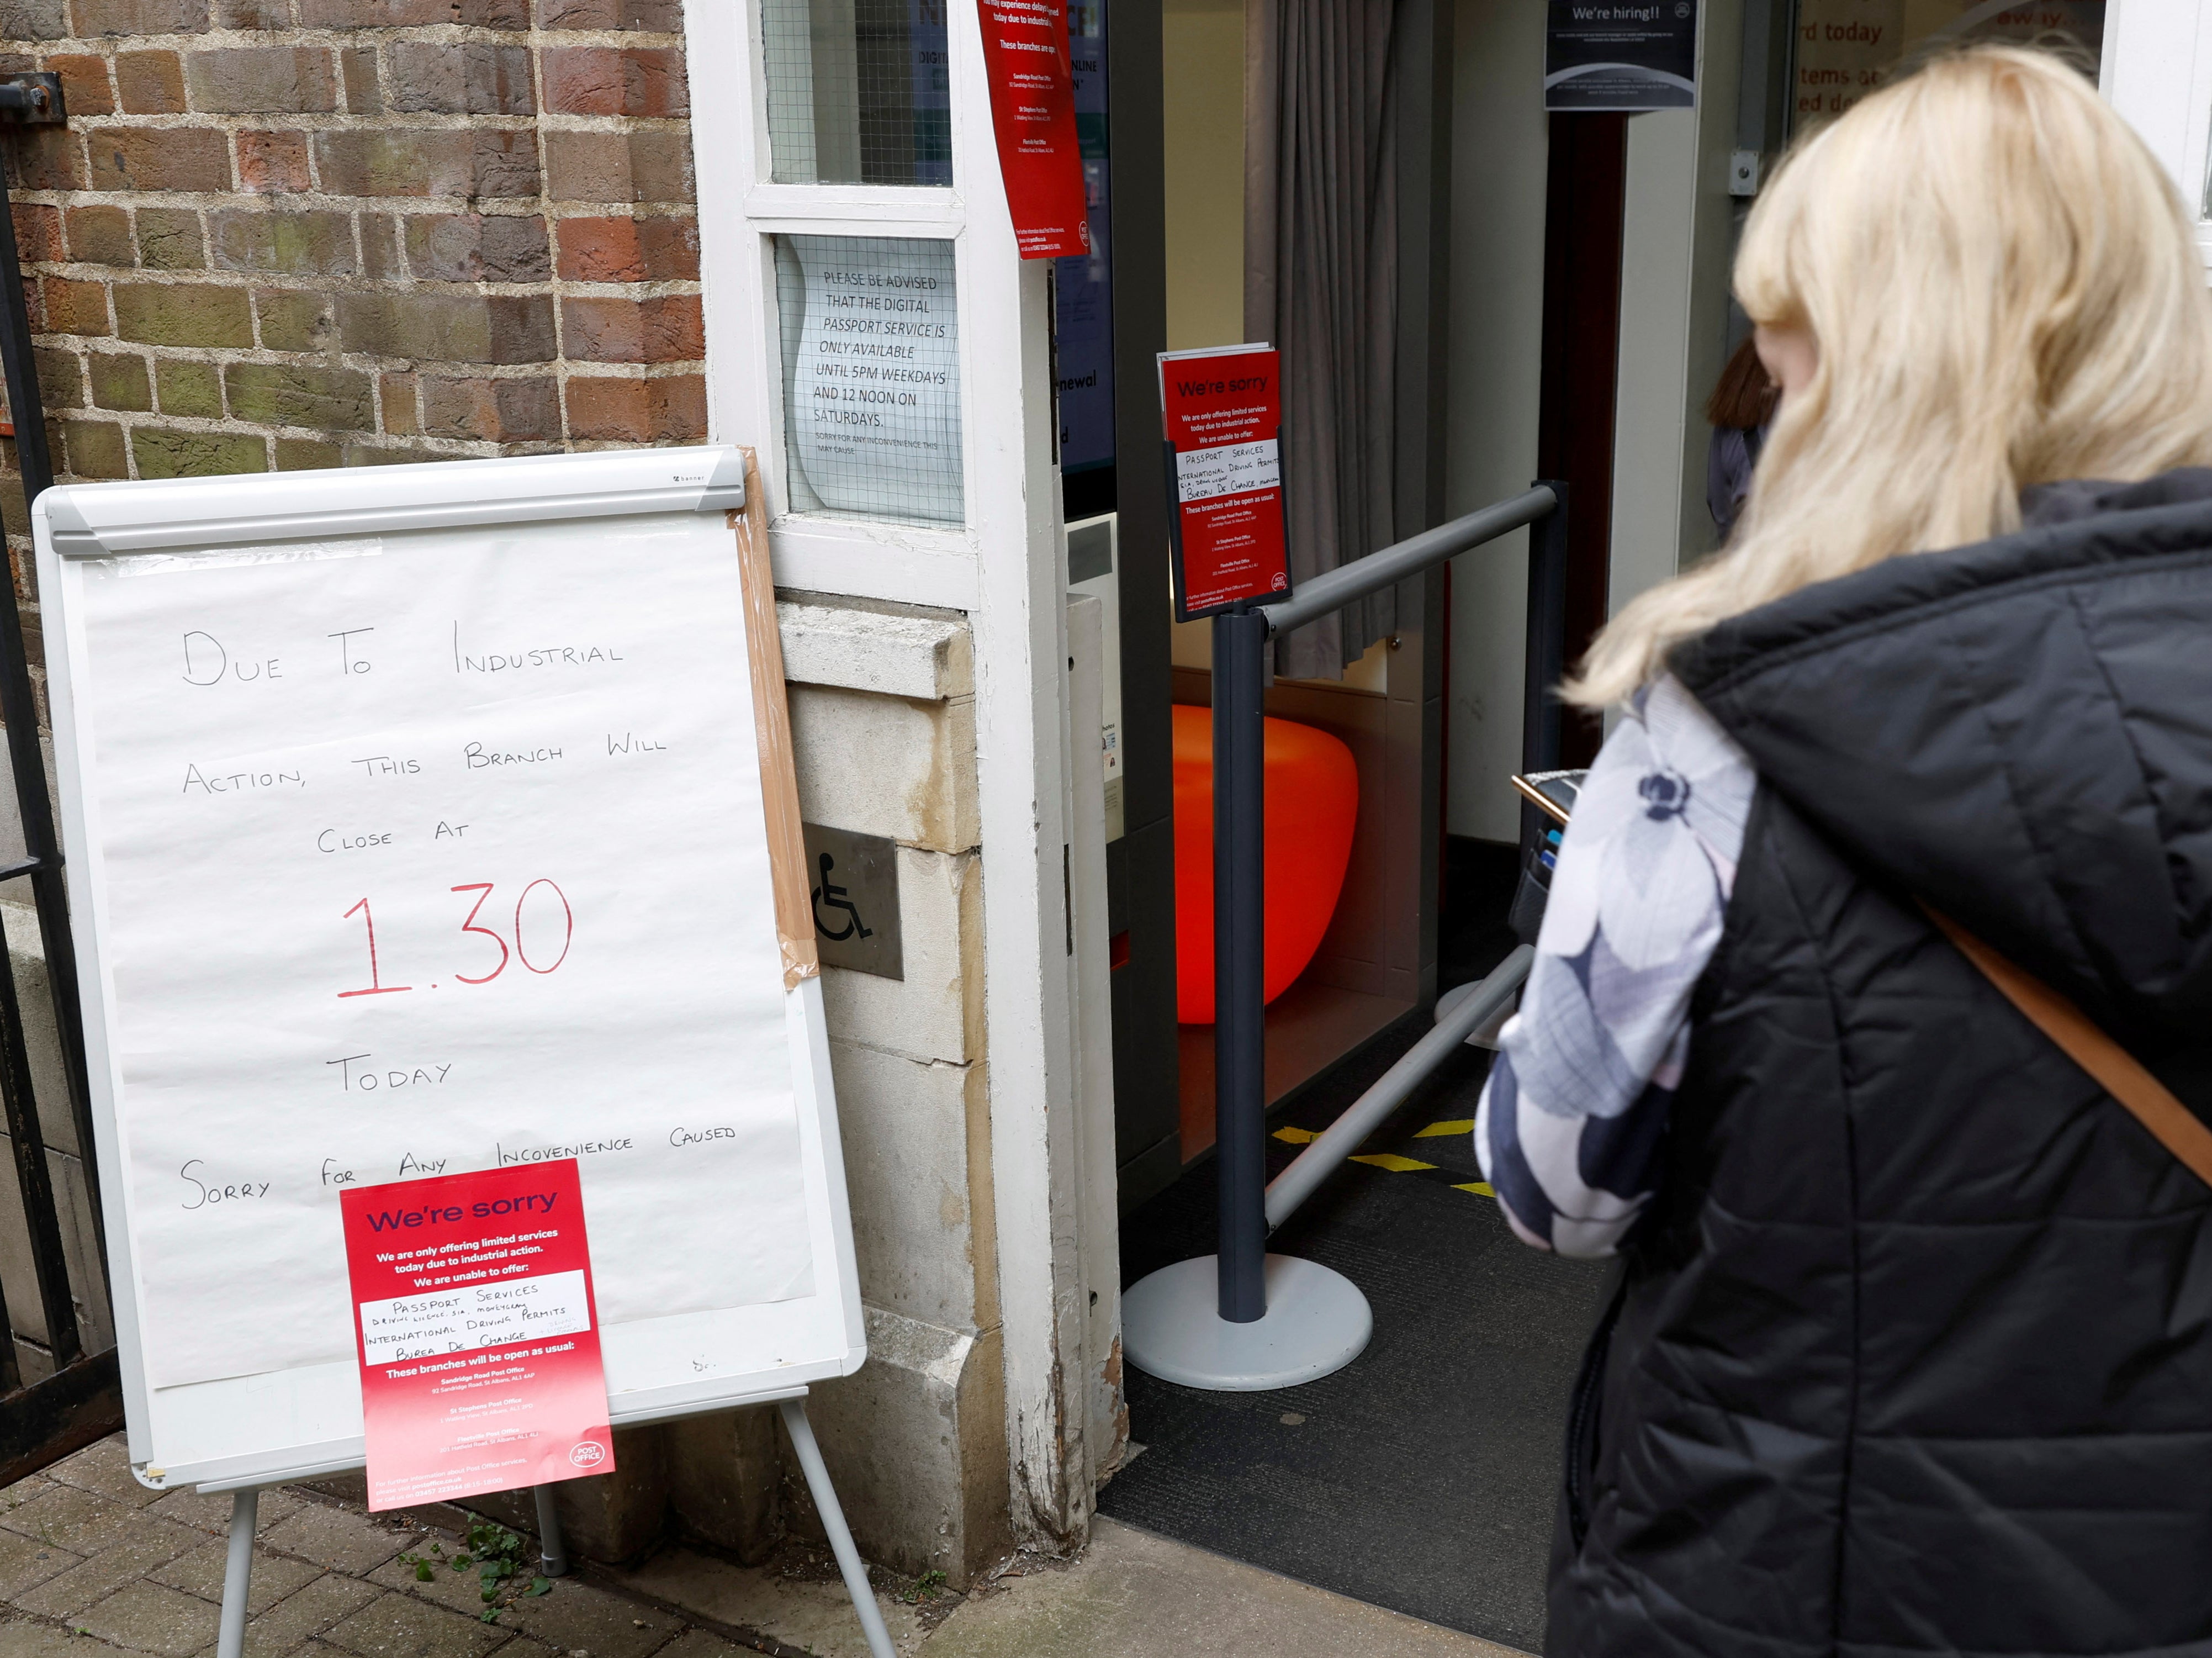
(1395, 1164)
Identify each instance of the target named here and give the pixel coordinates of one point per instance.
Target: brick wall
(316, 233)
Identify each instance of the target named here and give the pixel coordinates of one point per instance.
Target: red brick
(93, 448)
(619, 167)
(133, 18)
(84, 84)
(27, 20)
(159, 158)
(182, 314)
(161, 453)
(662, 411)
(443, 326)
(251, 14)
(397, 395)
(462, 78)
(503, 411)
(413, 13)
(667, 330)
(272, 163)
(645, 16)
(150, 82)
(628, 250)
(46, 158)
(477, 247)
(439, 162)
(99, 236)
(363, 88)
(380, 245)
(645, 81)
(171, 239)
(75, 307)
(37, 233)
(262, 81)
(61, 380)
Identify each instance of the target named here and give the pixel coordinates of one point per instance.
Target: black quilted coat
(1914, 1352)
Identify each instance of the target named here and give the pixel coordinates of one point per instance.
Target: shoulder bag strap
(2176, 1127)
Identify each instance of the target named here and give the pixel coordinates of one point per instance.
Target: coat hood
(2019, 733)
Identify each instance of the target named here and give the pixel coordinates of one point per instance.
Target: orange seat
(1312, 794)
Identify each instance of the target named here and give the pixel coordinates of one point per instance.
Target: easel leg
(833, 1522)
(238, 1574)
(552, 1552)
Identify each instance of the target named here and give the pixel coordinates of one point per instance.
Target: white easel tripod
(246, 1503)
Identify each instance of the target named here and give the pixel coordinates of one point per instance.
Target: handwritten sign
(418, 855)
(479, 1356)
(1222, 410)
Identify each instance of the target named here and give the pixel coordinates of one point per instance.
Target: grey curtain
(1321, 283)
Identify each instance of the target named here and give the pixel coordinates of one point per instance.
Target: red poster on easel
(477, 1334)
(1222, 412)
(1025, 59)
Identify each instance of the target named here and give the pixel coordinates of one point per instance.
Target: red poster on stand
(1033, 113)
(477, 1334)
(1222, 411)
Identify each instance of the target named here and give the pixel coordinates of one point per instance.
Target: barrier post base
(1316, 1322)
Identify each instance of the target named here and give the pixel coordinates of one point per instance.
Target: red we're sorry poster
(1223, 413)
(1033, 114)
(477, 1334)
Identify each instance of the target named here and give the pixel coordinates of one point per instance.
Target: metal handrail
(1241, 663)
(1328, 1149)
(1332, 590)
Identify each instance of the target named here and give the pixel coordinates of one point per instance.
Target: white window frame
(2157, 72)
(1007, 568)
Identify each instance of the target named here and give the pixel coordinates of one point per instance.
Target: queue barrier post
(1242, 1320)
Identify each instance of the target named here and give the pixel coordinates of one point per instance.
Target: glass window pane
(1844, 49)
(858, 92)
(871, 376)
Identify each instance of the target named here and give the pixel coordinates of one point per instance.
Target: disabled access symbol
(837, 898)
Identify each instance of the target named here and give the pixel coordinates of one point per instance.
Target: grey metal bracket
(33, 100)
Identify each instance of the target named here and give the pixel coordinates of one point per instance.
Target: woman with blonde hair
(1911, 1350)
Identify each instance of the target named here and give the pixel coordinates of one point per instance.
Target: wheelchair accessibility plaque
(853, 882)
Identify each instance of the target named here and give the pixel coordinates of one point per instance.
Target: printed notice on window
(872, 376)
(1222, 414)
(479, 1353)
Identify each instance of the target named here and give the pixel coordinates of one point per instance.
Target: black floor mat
(1422, 1477)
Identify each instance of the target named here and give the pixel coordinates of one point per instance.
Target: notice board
(426, 819)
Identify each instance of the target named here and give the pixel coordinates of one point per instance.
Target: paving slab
(211, 1514)
(606, 1625)
(37, 1640)
(1132, 1594)
(151, 1618)
(698, 1643)
(200, 1573)
(64, 1517)
(815, 1617)
(150, 1544)
(343, 1539)
(26, 1562)
(395, 1625)
(104, 1466)
(309, 1610)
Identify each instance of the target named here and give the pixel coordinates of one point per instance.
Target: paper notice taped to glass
(872, 376)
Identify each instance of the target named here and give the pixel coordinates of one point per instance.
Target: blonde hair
(2004, 290)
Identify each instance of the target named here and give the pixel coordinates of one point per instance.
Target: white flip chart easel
(431, 818)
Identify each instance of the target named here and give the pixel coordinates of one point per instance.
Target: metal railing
(1249, 1207)
(80, 1398)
